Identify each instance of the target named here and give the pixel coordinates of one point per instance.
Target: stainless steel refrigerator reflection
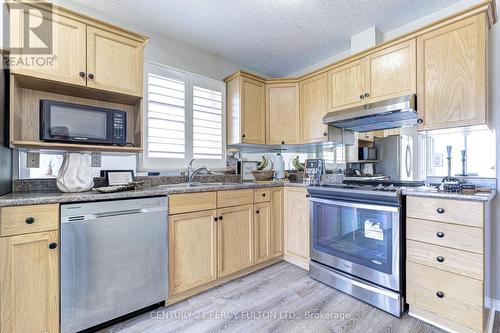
(399, 155)
(5, 151)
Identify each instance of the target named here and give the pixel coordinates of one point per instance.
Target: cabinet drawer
(262, 195)
(28, 219)
(234, 198)
(451, 260)
(191, 202)
(454, 236)
(469, 213)
(462, 297)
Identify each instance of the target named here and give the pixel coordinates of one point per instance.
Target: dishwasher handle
(102, 215)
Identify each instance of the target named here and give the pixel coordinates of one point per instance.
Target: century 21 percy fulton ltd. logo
(30, 35)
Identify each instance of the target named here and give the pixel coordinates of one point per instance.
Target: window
(184, 119)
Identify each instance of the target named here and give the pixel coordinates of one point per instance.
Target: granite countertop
(426, 191)
(36, 198)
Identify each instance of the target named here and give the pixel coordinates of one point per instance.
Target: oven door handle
(355, 205)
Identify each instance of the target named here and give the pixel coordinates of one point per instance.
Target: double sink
(195, 184)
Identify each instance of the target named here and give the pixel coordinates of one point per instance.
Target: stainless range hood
(390, 113)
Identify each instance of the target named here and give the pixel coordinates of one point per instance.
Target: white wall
(167, 51)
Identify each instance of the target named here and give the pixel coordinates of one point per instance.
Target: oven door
(358, 239)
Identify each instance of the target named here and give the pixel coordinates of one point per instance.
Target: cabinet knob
(367, 95)
(91, 76)
(52, 246)
(82, 74)
(440, 210)
(221, 218)
(30, 220)
(216, 219)
(440, 259)
(361, 96)
(420, 121)
(440, 234)
(308, 195)
(282, 142)
(243, 136)
(325, 134)
(264, 195)
(257, 211)
(440, 294)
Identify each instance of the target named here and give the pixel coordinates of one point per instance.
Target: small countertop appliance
(314, 170)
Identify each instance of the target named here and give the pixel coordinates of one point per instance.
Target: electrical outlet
(96, 160)
(32, 160)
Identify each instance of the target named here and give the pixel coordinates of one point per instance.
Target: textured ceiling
(274, 37)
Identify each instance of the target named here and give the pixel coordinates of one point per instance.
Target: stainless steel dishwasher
(113, 259)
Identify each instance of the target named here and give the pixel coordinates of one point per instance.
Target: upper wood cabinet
(68, 56)
(282, 113)
(192, 250)
(85, 52)
(346, 84)
(313, 107)
(235, 239)
(391, 72)
(452, 75)
(246, 114)
(29, 281)
(114, 62)
(384, 74)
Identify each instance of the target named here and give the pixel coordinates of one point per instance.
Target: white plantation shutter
(184, 119)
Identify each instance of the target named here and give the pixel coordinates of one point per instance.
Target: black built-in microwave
(68, 122)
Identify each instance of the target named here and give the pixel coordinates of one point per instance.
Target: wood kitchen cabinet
(452, 75)
(282, 113)
(262, 231)
(68, 56)
(387, 73)
(192, 250)
(313, 107)
(297, 226)
(29, 283)
(235, 239)
(114, 62)
(277, 218)
(246, 111)
(84, 53)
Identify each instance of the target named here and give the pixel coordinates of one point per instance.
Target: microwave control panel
(119, 127)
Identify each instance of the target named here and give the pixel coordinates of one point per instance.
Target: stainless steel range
(357, 241)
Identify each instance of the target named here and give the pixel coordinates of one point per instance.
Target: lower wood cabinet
(262, 231)
(296, 214)
(192, 250)
(29, 283)
(235, 239)
(277, 218)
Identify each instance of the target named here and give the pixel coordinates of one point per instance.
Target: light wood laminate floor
(280, 298)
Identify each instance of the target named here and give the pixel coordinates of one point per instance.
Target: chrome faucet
(191, 173)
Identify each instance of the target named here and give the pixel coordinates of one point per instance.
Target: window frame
(190, 80)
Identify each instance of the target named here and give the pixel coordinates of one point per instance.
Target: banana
(263, 163)
(296, 163)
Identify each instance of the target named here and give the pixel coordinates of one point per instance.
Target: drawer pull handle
(440, 234)
(440, 210)
(30, 220)
(52, 246)
(440, 259)
(440, 294)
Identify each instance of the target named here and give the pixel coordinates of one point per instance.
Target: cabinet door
(313, 107)
(282, 113)
(262, 231)
(235, 239)
(29, 281)
(191, 250)
(391, 72)
(253, 111)
(296, 210)
(346, 85)
(68, 57)
(276, 222)
(451, 75)
(114, 62)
